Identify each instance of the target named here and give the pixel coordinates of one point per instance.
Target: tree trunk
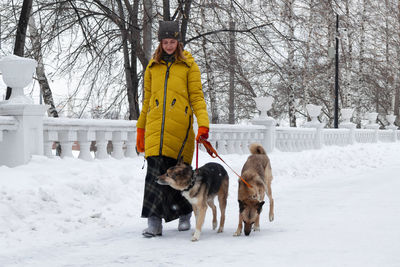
(134, 38)
(40, 72)
(147, 35)
(21, 34)
(397, 83)
(232, 63)
(306, 66)
(349, 61)
(209, 73)
(292, 107)
(361, 59)
(166, 10)
(389, 77)
(130, 37)
(185, 19)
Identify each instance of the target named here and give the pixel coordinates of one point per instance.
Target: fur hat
(169, 29)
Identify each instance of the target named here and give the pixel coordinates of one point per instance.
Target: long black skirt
(162, 200)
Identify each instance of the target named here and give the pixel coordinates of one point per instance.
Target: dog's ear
(242, 205)
(259, 206)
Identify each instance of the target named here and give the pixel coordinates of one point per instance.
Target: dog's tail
(256, 148)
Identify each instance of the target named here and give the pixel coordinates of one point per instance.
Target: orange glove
(203, 132)
(140, 140)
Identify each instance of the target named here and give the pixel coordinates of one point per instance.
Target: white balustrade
(365, 136)
(338, 137)
(386, 136)
(229, 139)
(22, 124)
(85, 131)
(294, 139)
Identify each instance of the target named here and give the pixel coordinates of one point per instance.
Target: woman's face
(169, 45)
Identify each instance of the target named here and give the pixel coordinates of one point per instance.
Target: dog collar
(192, 181)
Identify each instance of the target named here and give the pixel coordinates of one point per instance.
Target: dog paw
(271, 217)
(256, 229)
(237, 233)
(214, 225)
(196, 236)
(220, 230)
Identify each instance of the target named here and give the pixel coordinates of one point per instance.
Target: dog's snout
(161, 181)
(247, 228)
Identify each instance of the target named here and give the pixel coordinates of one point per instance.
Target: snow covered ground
(338, 206)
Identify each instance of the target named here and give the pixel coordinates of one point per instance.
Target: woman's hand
(140, 140)
(202, 132)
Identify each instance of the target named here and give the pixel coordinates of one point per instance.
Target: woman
(172, 93)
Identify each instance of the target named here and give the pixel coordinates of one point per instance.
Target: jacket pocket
(154, 105)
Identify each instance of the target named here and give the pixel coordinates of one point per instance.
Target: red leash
(213, 153)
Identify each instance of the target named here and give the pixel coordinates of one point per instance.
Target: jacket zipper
(186, 137)
(164, 107)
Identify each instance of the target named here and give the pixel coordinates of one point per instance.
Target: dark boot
(184, 222)
(154, 227)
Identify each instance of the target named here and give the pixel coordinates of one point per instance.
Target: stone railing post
(85, 140)
(269, 135)
(67, 139)
(264, 104)
(319, 137)
(373, 125)
(18, 146)
(49, 137)
(131, 145)
(314, 111)
(347, 113)
(102, 138)
(394, 133)
(391, 118)
(118, 138)
(352, 131)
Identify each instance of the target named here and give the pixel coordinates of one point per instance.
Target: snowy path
(345, 218)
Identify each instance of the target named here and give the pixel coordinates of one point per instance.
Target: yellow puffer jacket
(167, 112)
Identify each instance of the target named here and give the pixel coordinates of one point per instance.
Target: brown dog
(256, 172)
(200, 188)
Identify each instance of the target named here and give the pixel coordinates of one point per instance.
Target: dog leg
(240, 226)
(211, 204)
(194, 207)
(271, 203)
(268, 176)
(222, 196)
(257, 224)
(199, 221)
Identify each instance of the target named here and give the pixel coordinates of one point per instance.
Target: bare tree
(280, 50)
(40, 71)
